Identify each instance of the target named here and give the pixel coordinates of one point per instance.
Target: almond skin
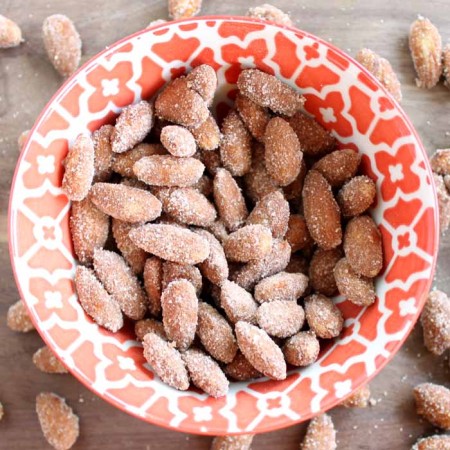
(101, 139)
(433, 403)
(207, 134)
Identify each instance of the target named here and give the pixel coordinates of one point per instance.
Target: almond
(207, 134)
(123, 162)
(440, 161)
(18, 319)
(103, 160)
(240, 369)
(237, 303)
(46, 361)
(280, 318)
(255, 117)
(281, 286)
(321, 271)
(173, 271)
(203, 80)
(320, 434)
(436, 442)
(145, 326)
(182, 9)
(248, 243)
(215, 267)
(358, 399)
(323, 316)
(433, 404)
(152, 282)
(297, 234)
(10, 33)
(302, 349)
(241, 442)
(271, 14)
(443, 198)
(356, 196)
(178, 141)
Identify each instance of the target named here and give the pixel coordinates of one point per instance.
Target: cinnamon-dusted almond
(205, 373)
(283, 155)
(440, 161)
(293, 191)
(219, 230)
(96, 301)
(215, 333)
(182, 9)
(261, 351)
(443, 198)
(125, 203)
(179, 104)
(356, 196)
(358, 289)
(254, 116)
(314, 139)
(241, 442)
(173, 271)
(103, 160)
(323, 316)
(46, 361)
(211, 160)
(446, 64)
(18, 319)
(321, 211)
(215, 267)
(248, 243)
(168, 170)
(425, 44)
(10, 33)
(436, 442)
(271, 14)
(203, 80)
(62, 43)
(171, 242)
(280, 318)
(267, 91)
(363, 246)
(281, 286)
(297, 233)
(237, 303)
(433, 404)
(229, 200)
(79, 168)
(302, 349)
(178, 140)
(359, 399)
(240, 369)
(339, 166)
(166, 361)
(204, 185)
(179, 310)
(153, 274)
(123, 163)
(89, 229)
(320, 434)
(59, 424)
(121, 283)
(207, 134)
(145, 326)
(235, 146)
(321, 271)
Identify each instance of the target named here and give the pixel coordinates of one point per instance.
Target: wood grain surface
(27, 81)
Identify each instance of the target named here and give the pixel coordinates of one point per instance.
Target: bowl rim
(232, 18)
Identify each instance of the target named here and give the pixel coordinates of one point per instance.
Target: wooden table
(27, 81)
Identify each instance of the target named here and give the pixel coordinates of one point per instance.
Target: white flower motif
(202, 413)
(396, 172)
(247, 61)
(407, 307)
(110, 87)
(328, 115)
(126, 363)
(342, 388)
(53, 299)
(46, 164)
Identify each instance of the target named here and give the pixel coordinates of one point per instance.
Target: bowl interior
(341, 96)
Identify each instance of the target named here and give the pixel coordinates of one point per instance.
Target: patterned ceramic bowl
(346, 100)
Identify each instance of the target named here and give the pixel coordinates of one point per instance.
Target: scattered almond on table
(18, 319)
(10, 33)
(46, 361)
(241, 442)
(320, 434)
(271, 14)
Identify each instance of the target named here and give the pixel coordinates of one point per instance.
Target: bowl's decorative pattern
(345, 99)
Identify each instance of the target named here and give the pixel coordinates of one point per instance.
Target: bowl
(345, 99)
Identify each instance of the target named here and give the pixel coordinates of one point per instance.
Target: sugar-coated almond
(153, 274)
(297, 233)
(203, 80)
(358, 289)
(321, 211)
(207, 134)
(173, 271)
(219, 230)
(436, 442)
(171, 243)
(125, 203)
(205, 373)
(96, 301)
(235, 145)
(356, 196)
(166, 361)
(204, 185)
(435, 320)
(281, 286)
(103, 160)
(283, 155)
(443, 198)
(145, 326)
(433, 404)
(211, 160)
(254, 116)
(215, 267)
(18, 319)
(179, 305)
(359, 399)
(261, 351)
(178, 140)
(215, 333)
(314, 139)
(323, 316)
(46, 361)
(320, 434)
(321, 271)
(440, 161)
(280, 318)
(89, 228)
(248, 243)
(79, 168)
(271, 14)
(298, 264)
(446, 64)
(62, 43)
(237, 303)
(240, 369)
(123, 163)
(302, 349)
(229, 200)
(59, 424)
(293, 191)
(10, 33)
(267, 91)
(182, 9)
(241, 442)
(363, 246)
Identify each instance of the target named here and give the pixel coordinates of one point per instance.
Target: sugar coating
(207, 134)
(254, 116)
(17, 318)
(323, 316)
(171, 243)
(251, 242)
(240, 369)
(101, 139)
(166, 361)
(125, 203)
(237, 303)
(182, 9)
(153, 284)
(59, 424)
(178, 140)
(218, 230)
(10, 33)
(433, 404)
(436, 442)
(271, 14)
(46, 361)
(22, 139)
(297, 233)
(359, 399)
(173, 271)
(321, 270)
(145, 326)
(267, 91)
(443, 198)
(320, 434)
(79, 168)
(205, 373)
(283, 155)
(302, 349)
(261, 351)
(358, 289)
(62, 43)
(435, 320)
(440, 161)
(123, 162)
(215, 333)
(281, 286)
(215, 267)
(356, 196)
(280, 318)
(203, 80)
(235, 145)
(241, 442)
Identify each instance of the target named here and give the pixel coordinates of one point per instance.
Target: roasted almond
(356, 196)
(321, 271)
(302, 349)
(145, 326)
(182, 9)
(240, 369)
(173, 271)
(271, 14)
(203, 80)
(281, 286)
(207, 134)
(103, 160)
(323, 316)
(433, 404)
(248, 243)
(446, 64)
(241, 442)
(440, 161)
(46, 361)
(153, 283)
(359, 399)
(18, 319)
(123, 163)
(436, 442)
(443, 198)
(178, 141)
(215, 267)
(280, 318)
(254, 116)
(320, 434)
(10, 33)
(237, 303)
(297, 233)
